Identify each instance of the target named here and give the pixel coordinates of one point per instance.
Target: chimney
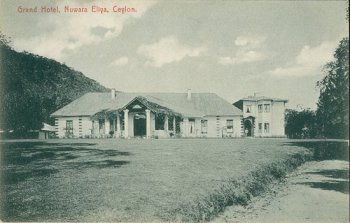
(189, 94)
(113, 93)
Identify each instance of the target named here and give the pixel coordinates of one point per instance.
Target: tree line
(32, 87)
(331, 118)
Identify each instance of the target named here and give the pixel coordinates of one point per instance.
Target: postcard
(174, 111)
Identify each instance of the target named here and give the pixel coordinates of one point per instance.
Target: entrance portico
(141, 118)
(249, 126)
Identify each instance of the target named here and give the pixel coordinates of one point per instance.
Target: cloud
(309, 61)
(121, 61)
(248, 41)
(242, 57)
(247, 51)
(167, 50)
(73, 31)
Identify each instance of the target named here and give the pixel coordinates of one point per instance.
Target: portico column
(107, 126)
(148, 123)
(174, 125)
(126, 123)
(166, 123)
(118, 126)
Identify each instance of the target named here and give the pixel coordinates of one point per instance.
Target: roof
(262, 98)
(239, 103)
(201, 104)
(47, 127)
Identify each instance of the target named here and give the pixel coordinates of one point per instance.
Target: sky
(231, 48)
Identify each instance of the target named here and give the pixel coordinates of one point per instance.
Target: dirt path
(316, 192)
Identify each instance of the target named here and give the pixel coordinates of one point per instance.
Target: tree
(333, 103)
(32, 87)
(300, 124)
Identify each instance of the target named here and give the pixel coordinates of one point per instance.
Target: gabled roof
(149, 105)
(201, 104)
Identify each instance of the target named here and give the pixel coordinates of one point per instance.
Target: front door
(191, 128)
(140, 125)
(248, 128)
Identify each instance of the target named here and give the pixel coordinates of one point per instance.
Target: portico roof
(149, 105)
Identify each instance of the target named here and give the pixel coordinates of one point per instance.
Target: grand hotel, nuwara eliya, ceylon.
(163, 115)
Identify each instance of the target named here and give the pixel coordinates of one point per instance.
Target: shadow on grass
(325, 150)
(101, 164)
(23, 160)
(73, 144)
(24, 153)
(14, 176)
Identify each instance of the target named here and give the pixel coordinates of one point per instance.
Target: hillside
(32, 87)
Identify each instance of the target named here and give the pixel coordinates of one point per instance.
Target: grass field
(137, 180)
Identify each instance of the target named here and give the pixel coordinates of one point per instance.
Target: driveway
(316, 192)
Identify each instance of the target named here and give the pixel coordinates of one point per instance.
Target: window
(94, 129)
(260, 108)
(229, 125)
(248, 109)
(260, 128)
(266, 127)
(159, 122)
(204, 126)
(69, 128)
(69, 125)
(267, 108)
(101, 125)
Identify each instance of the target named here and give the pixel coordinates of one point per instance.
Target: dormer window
(248, 109)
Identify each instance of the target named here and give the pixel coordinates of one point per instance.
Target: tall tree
(300, 124)
(333, 103)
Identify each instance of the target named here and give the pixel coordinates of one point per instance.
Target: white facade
(73, 127)
(162, 115)
(219, 126)
(193, 115)
(148, 115)
(210, 126)
(264, 117)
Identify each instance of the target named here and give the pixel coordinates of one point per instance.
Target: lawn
(125, 180)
